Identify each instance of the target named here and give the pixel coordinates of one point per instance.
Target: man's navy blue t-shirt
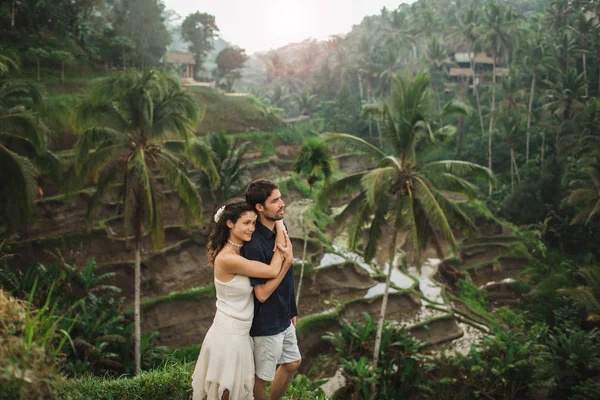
(275, 314)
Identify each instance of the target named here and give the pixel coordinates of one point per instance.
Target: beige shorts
(269, 351)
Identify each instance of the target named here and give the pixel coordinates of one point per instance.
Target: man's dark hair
(259, 191)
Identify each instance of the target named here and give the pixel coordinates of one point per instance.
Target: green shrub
(507, 366)
(403, 370)
(28, 362)
(575, 358)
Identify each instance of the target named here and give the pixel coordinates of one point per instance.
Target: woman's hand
(287, 250)
(280, 228)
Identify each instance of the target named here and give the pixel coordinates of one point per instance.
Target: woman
(225, 367)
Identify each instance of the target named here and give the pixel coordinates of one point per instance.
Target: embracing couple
(254, 329)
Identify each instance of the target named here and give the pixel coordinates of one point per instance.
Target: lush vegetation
(445, 102)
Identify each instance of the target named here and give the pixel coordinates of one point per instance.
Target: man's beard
(274, 218)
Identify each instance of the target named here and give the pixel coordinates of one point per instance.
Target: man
(274, 325)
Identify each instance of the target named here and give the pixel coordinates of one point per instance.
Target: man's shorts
(269, 351)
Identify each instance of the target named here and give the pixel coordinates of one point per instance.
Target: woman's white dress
(226, 358)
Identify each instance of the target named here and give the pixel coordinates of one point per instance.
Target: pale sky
(261, 25)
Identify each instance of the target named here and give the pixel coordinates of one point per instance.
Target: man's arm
(264, 291)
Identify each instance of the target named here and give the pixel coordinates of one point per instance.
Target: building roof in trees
(180, 58)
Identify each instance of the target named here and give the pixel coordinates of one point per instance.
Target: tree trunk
(475, 89)
(38, 70)
(531, 94)
(543, 147)
(13, 12)
(493, 104)
(303, 256)
(585, 75)
(137, 290)
(439, 103)
(385, 300)
(516, 168)
(459, 134)
(490, 156)
(62, 72)
(360, 88)
(512, 171)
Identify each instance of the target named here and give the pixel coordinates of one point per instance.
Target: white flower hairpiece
(218, 214)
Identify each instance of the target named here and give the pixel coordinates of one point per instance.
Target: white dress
(226, 359)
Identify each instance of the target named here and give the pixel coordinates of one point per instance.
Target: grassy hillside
(232, 114)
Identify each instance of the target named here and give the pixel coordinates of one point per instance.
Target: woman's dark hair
(259, 191)
(232, 211)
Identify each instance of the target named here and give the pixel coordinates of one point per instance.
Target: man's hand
(294, 320)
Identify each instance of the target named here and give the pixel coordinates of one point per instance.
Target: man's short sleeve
(254, 252)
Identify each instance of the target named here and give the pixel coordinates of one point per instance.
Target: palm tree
(535, 49)
(563, 98)
(23, 148)
(229, 164)
(584, 30)
(584, 185)
(587, 295)
(509, 113)
(307, 102)
(135, 125)
(314, 161)
(468, 22)
(436, 55)
(499, 20)
(399, 193)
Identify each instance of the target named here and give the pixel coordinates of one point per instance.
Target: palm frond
(19, 186)
(379, 220)
(90, 139)
(201, 156)
(147, 195)
(342, 187)
(352, 143)
(461, 169)
(433, 210)
(109, 176)
(177, 178)
(376, 182)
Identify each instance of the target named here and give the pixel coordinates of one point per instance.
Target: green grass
(57, 111)
(231, 114)
(473, 297)
(170, 382)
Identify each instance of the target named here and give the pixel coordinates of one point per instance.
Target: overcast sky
(261, 25)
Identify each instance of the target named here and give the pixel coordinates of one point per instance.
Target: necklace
(239, 246)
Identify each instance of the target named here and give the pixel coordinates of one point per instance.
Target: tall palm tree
(563, 98)
(400, 193)
(135, 125)
(534, 57)
(499, 20)
(314, 161)
(23, 148)
(468, 21)
(436, 55)
(584, 29)
(509, 114)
